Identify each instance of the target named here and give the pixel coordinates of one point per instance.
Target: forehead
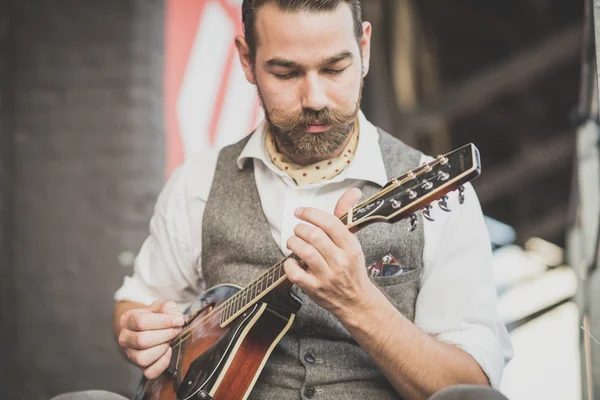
(302, 36)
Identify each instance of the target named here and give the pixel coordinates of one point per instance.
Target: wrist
(369, 304)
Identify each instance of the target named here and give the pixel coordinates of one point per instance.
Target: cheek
(345, 91)
(278, 95)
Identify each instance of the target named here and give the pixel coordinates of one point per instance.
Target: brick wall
(89, 161)
(7, 316)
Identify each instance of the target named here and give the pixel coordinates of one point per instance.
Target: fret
(230, 307)
(280, 272)
(225, 314)
(260, 283)
(240, 301)
(236, 303)
(226, 310)
(270, 278)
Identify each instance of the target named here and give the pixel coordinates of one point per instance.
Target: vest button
(309, 392)
(309, 358)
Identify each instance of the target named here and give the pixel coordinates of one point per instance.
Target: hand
(336, 278)
(146, 333)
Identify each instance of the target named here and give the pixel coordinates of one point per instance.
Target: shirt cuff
(132, 290)
(483, 346)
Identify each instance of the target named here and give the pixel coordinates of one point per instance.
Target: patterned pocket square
(387, 266)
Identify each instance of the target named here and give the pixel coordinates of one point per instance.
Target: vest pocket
(409, 275)
(401, 291)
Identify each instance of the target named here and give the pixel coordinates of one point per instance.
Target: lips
(316, 128)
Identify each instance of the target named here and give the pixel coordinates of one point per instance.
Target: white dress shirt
(457, 299)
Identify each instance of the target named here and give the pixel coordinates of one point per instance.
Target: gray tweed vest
(317, 358)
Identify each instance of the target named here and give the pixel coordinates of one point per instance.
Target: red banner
(208, 102)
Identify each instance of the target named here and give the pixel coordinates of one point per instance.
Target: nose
(314, 96)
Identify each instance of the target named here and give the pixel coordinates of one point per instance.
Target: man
(428, 325)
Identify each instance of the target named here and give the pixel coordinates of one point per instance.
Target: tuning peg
(413, 222)
(443, 203)
(427, 213)
(461, 194)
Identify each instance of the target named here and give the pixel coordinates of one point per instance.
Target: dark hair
(250, 9)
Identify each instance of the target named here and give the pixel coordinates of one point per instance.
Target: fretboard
(249, 295)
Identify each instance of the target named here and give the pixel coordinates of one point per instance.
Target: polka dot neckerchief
(317, 172)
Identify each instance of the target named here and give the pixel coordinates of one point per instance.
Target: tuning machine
(414, 222)
(443, 203)
(461, 194)
(427, 213)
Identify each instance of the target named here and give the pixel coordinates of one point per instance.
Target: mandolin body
(222, 363)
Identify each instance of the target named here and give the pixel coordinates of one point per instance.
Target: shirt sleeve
(457, 303)
(167, 266)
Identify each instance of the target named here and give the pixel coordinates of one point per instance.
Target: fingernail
(178, 321)
(298, 211)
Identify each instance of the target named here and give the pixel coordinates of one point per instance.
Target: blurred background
(101, 100)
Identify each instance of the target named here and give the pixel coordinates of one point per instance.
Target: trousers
(459, 392)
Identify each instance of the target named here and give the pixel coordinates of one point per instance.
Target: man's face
(308, 71)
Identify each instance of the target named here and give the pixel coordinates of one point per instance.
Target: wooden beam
(539, 160)
(379, 102)
(404, 59)
(508, 77)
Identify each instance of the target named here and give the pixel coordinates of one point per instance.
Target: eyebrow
(280, 62)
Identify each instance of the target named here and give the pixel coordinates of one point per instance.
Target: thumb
(348, 200)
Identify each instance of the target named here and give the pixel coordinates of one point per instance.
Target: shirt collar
(367, 164)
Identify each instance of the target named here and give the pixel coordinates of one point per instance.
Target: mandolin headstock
(402, 197)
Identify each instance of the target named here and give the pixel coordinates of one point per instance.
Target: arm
(166, 273)
(415, 363)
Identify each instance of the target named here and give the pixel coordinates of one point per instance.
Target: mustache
(294, 121)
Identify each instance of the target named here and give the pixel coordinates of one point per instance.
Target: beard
(289, 129)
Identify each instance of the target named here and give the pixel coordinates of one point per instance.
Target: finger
(330, 224)
(157, 305)
(147, 339)
(299, 276)
(145, 358)
(156, 369)
(313, 238)
(347, 201)
(309, 254)
(152, 321)
(170, 307)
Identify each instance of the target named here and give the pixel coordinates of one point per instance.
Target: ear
(245, 59)
(365, 44)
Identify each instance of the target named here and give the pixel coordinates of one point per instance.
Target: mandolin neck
(265, 283)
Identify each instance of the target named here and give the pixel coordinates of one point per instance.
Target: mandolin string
(184, 335)
(215, 311)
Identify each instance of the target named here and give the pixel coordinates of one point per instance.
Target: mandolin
(231, 331)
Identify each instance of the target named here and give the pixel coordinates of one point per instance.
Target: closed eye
(286, 76)
(330, 71)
